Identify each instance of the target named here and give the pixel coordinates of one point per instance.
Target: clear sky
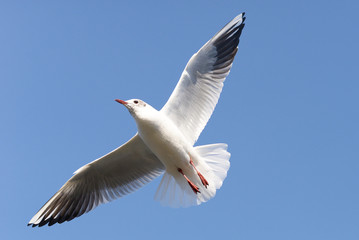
(289, 113)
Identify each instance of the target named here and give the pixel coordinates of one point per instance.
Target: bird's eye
(135, 101)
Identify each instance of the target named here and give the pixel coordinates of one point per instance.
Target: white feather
(174, 190)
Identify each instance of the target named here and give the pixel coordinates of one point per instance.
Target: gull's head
(135, 106)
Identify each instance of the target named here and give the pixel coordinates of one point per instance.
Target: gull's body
(163, 144)
(164, 139)
(175, 152)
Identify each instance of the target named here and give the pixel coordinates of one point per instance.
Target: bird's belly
(168, 144)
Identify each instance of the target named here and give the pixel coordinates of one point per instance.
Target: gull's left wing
(192, 102)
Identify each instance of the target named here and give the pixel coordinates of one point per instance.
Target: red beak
(121, 101)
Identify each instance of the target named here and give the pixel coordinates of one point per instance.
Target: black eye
(135, 101)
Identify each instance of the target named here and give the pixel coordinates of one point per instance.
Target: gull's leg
(204, 181)
(192, 185)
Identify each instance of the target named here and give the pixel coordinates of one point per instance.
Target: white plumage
(163, 144)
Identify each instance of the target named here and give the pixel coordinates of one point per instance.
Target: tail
(213, 163)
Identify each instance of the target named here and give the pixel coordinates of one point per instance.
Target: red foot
(193, 186)
(203, 180)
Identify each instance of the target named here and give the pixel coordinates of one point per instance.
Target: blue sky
(289, 112)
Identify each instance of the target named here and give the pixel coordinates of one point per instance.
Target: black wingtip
(243, 17)
(31, 225)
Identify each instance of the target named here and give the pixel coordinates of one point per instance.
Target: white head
(137, 107)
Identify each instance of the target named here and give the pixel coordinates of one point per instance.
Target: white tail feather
(213, 163)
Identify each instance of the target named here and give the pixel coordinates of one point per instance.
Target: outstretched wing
(192, 102)
(114, 175)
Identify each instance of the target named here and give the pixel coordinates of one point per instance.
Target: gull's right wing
(114, 175)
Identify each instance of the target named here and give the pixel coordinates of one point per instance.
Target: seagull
(164, 143)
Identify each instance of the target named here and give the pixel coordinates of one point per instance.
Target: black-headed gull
(163, 144)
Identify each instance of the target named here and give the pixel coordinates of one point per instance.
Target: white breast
(165, 140)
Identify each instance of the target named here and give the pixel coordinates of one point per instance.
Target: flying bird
(163, 144)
